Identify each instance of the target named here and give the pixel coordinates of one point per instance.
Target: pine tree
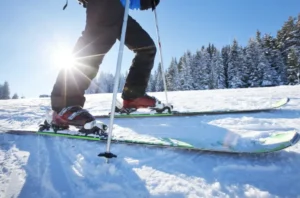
(218, 71)
(212, 73)
(259, 69)
(15, 96)
(254, 71)
(196, 70)
(176, 80)
(105, 83)
(201, 69)
(153, 82)
(158, 81)
(211, 49)
(110, 83)
(296, 42)
(186, 80)
(285, 37)
(225, 56)
(151, 85)
(205, 69)
(275, 59)
(268, 72)
(293, 68)
(293, 39)
(235, 67)
(1, 92)
(5, 91)
(172, 76)
(258, 37)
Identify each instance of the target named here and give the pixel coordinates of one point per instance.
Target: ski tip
(295, 139)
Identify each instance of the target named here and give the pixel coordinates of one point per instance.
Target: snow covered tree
(275, 59)
(258, 69)
(263, 72)
(151, 84)
(196, 70)
(268, 72)
(1, 91)
(287, 37)
(15, 96)
(4, 91)
(211, 49)
(158, 81)
(212, 73)
(258, 37)
(225, 57)
(104, 83)
(109, 82)
(293, 36)
(201, 69)
(293, 68)
(172, 76)
(235, 66)
(186, 80)
(297, 36)
(217, 71)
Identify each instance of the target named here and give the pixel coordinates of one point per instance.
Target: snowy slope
(36, 166)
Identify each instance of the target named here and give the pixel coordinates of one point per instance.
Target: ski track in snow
(37, 166)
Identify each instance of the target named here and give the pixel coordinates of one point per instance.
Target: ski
(137, 114)
(273, 142)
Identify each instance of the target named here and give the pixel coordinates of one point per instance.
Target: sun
(62, 57)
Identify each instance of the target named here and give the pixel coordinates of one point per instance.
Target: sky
(34, 33)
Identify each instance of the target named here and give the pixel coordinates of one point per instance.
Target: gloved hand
(147, 4)
(141, 4)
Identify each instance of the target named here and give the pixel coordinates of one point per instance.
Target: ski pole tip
(107, 155)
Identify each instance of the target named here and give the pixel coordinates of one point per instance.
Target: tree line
(266, 60)
(5, 92)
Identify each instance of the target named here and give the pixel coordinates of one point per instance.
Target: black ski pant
(104, 19)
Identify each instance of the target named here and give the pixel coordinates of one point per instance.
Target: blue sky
(32, 31)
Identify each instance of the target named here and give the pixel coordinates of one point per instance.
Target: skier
(104, 20)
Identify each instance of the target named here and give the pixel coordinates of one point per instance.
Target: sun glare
(63, 58)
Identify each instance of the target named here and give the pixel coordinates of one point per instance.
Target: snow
(39, 166)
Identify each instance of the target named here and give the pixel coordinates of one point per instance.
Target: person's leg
(103, 21)
(139, 41)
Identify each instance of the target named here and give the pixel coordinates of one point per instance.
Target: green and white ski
(137, 114)
(271, 143)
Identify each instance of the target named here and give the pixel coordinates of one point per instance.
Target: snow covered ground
(37, 166)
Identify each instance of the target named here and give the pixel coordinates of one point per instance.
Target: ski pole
(161, 57)
(108, 154)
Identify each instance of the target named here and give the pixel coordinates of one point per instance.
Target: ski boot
(78, 117)
(145, 101)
